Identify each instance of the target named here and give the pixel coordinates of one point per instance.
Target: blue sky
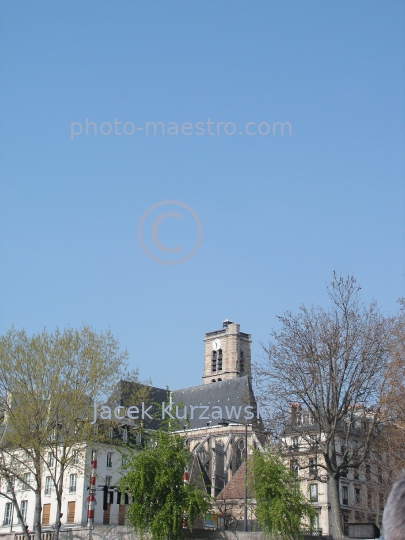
(278, 212)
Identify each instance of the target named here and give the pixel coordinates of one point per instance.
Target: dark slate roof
(229, 393)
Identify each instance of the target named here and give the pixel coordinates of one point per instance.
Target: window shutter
(46, 512)
(71, 512)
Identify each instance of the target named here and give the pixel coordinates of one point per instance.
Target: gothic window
(241, 363)
(214, 361)
(240, 451)
(219, 359)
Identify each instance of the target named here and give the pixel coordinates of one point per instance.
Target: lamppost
(245, 506)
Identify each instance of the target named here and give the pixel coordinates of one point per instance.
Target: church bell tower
(226, 354)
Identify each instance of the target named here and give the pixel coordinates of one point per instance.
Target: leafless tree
(322, 378)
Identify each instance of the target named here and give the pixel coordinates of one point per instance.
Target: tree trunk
(336, 515)
(37, 516)
(58, 506)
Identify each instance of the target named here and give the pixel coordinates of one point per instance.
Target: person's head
(394, 512)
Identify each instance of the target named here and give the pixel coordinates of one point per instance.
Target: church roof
(235, 488)
(236, 393)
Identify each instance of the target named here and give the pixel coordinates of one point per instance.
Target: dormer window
(219, 359)
(214, 361)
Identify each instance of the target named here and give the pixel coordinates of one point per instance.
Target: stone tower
(226, 354)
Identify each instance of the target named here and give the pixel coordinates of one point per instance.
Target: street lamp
(245, 520)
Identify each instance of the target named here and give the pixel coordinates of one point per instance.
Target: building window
(313, 492)
(357, 495)
(381, 500)
(24, 508)
(294, 466)
(214, 361)
(26, 480)
(219, 360)
(124, 461)
(369, 498)
(356, 474)
(294, 443)
(108, 481)
(124, 435)
(10, 484)
(345, 495)
(109, 459)
(111, 432)
(368, 473)
(313, 469)
(380, 477)
(343, 472)
(49, 461)
(315, 522)
(7, 514)
(75, 459)
(48, 485)
(72, 483)
(241, 363)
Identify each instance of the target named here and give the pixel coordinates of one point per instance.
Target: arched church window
(219, 359)
(240, 453)
(214, 361)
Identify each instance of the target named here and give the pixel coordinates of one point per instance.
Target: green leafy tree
(161, 500)
(48, 383)
(282, 509)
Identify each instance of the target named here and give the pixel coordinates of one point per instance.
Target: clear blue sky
(278, 212)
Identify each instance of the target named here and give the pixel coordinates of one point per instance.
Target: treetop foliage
(281, 506)
(161, 500)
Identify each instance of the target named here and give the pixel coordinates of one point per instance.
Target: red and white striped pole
(91, 499)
